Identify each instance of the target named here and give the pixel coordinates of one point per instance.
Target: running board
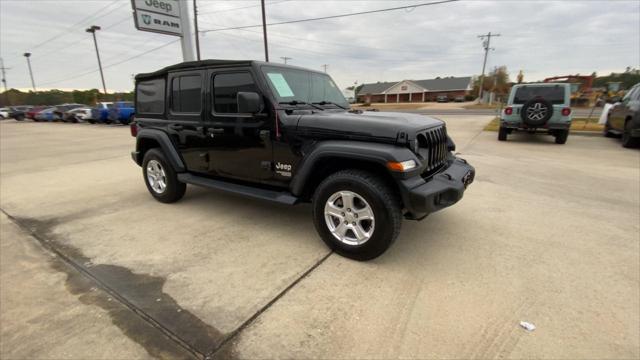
(282, 197)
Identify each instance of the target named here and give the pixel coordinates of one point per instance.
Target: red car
(31, 114)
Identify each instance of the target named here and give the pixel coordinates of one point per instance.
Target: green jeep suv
(538, 107)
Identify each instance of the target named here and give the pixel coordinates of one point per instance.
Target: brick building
(415, 90)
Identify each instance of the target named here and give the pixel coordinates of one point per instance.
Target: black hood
(380, 126)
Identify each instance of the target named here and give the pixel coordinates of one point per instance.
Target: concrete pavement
(547, 234)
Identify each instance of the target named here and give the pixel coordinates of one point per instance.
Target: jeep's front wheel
(160, 178)
(356, 214)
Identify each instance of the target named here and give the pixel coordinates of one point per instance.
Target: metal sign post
(169, 17)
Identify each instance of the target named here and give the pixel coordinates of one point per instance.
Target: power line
(239, 8)
(112, 64)
(86, 18)
(333, 16)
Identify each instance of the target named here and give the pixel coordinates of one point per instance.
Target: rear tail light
(134, 129)
(566, 111)
(508, 111)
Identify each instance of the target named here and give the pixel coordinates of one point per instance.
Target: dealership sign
(159, 16)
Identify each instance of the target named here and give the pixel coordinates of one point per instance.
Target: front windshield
(291, 85)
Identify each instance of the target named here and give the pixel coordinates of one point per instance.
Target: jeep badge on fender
(284, 134)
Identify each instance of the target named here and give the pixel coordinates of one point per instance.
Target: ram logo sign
(148, 21)
(159, 16)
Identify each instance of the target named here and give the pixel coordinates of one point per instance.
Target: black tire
(174, 189)
(382, 200)
(541, 104)
(91, 121)
(627, 140)
(561, 136)
(502, 133)
(607, 130)
(19, 117)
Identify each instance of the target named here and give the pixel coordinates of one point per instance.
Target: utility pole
(92, 30)
(195, 25)
(487, 46)
(4, 82)
(264, 32)
(33, 83)
(324, 66)
(285, 58)
(4, 76)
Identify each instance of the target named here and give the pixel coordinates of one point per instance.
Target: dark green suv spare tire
(536, 112)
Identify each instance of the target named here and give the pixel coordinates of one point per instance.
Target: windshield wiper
(296, 102)
(325, 102)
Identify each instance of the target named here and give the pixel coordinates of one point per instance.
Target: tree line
(13, 97)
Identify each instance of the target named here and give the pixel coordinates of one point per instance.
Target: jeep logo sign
(164, 7)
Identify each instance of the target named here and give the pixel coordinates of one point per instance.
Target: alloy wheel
(156, 176)
(349, 217)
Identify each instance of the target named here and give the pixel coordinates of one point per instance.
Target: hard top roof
(211, 63)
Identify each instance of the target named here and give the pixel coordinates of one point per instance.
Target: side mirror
(249, 103)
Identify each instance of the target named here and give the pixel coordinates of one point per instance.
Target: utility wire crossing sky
(361, 41)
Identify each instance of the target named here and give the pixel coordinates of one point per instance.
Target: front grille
(433, 148)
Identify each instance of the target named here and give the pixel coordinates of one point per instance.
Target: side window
(226, 88)
(149, 97)
(186, 94)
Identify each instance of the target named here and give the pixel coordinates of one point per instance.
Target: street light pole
(33, 83)
(92, 30)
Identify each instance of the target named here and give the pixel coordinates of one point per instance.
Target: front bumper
(422, 197)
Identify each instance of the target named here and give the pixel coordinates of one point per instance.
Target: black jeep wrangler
(286, 134)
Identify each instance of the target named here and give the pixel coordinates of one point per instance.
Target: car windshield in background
(553, 94)
(293, 85)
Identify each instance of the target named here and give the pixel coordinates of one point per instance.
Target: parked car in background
(31, 114)
(60, 109)
(48, 114)
(122, 111)
(100, 113)
(459, 98)
(4, 113)
(77, 114)
(442, 98)
(624, 118)
(18, 112)
(538, 107)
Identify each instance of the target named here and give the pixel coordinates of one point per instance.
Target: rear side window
(149, 97)
(553, 94)
(186, 94)
(226, 88)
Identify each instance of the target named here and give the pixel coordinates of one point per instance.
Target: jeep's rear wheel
(561, 136)
(160, 178)
(356, 214)
(502, 133)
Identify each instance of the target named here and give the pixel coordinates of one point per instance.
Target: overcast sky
(542, 38)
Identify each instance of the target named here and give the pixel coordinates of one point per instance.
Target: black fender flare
(167, 146)
(354, 150)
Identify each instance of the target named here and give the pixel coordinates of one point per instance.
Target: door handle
(176, 127)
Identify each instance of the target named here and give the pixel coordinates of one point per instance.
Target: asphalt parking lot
(93, 267)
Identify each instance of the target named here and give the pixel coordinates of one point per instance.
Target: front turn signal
(401, 166)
